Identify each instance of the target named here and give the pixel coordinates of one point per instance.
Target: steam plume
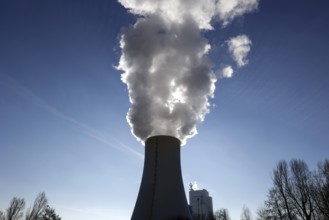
(227, 72)
(239, 47)
(165, 64)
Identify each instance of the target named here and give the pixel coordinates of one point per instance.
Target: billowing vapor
(239, 47)
(165, 65)
(227, 72)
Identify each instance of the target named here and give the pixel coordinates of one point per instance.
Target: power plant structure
(161, 195)
(200, 204)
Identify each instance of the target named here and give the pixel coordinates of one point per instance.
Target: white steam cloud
(201, 11)
(229, 9)
(165, 65)
(227, 72)
(239, 48)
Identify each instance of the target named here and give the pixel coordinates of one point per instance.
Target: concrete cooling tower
(161, 195)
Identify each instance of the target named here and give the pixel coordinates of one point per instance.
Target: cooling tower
(161, 195)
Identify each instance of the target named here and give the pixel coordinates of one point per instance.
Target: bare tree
(50, 214)
(2, 216)
(15, 209)
(39, 206)
(246, 214)
(298, 193)
(222, 214)
(275, 206)
(39, 211)
(300, 189)
(320, 189)
(280, 191)
(264, 214)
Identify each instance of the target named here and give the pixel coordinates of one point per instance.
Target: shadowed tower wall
(161, 195)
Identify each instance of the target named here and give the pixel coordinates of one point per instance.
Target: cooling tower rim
(162, 136)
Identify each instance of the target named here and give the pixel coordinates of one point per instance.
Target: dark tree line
(222, 214)
(39, 211)
(297, 193)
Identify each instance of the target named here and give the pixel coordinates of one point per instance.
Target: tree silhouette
(39, 211)
(320, 189)
(246, 214)
(222, 214)
(15, 209)
(39, 206)
(50, 214)
(297, 193)
(2, 216)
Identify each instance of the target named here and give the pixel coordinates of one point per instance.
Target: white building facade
(200, 204)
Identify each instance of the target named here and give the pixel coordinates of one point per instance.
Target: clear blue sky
(63, 107)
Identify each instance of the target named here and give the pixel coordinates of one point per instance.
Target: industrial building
(200, 204)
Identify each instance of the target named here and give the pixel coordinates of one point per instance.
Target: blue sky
(63, 107)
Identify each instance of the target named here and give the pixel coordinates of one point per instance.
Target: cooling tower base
(161, 194)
